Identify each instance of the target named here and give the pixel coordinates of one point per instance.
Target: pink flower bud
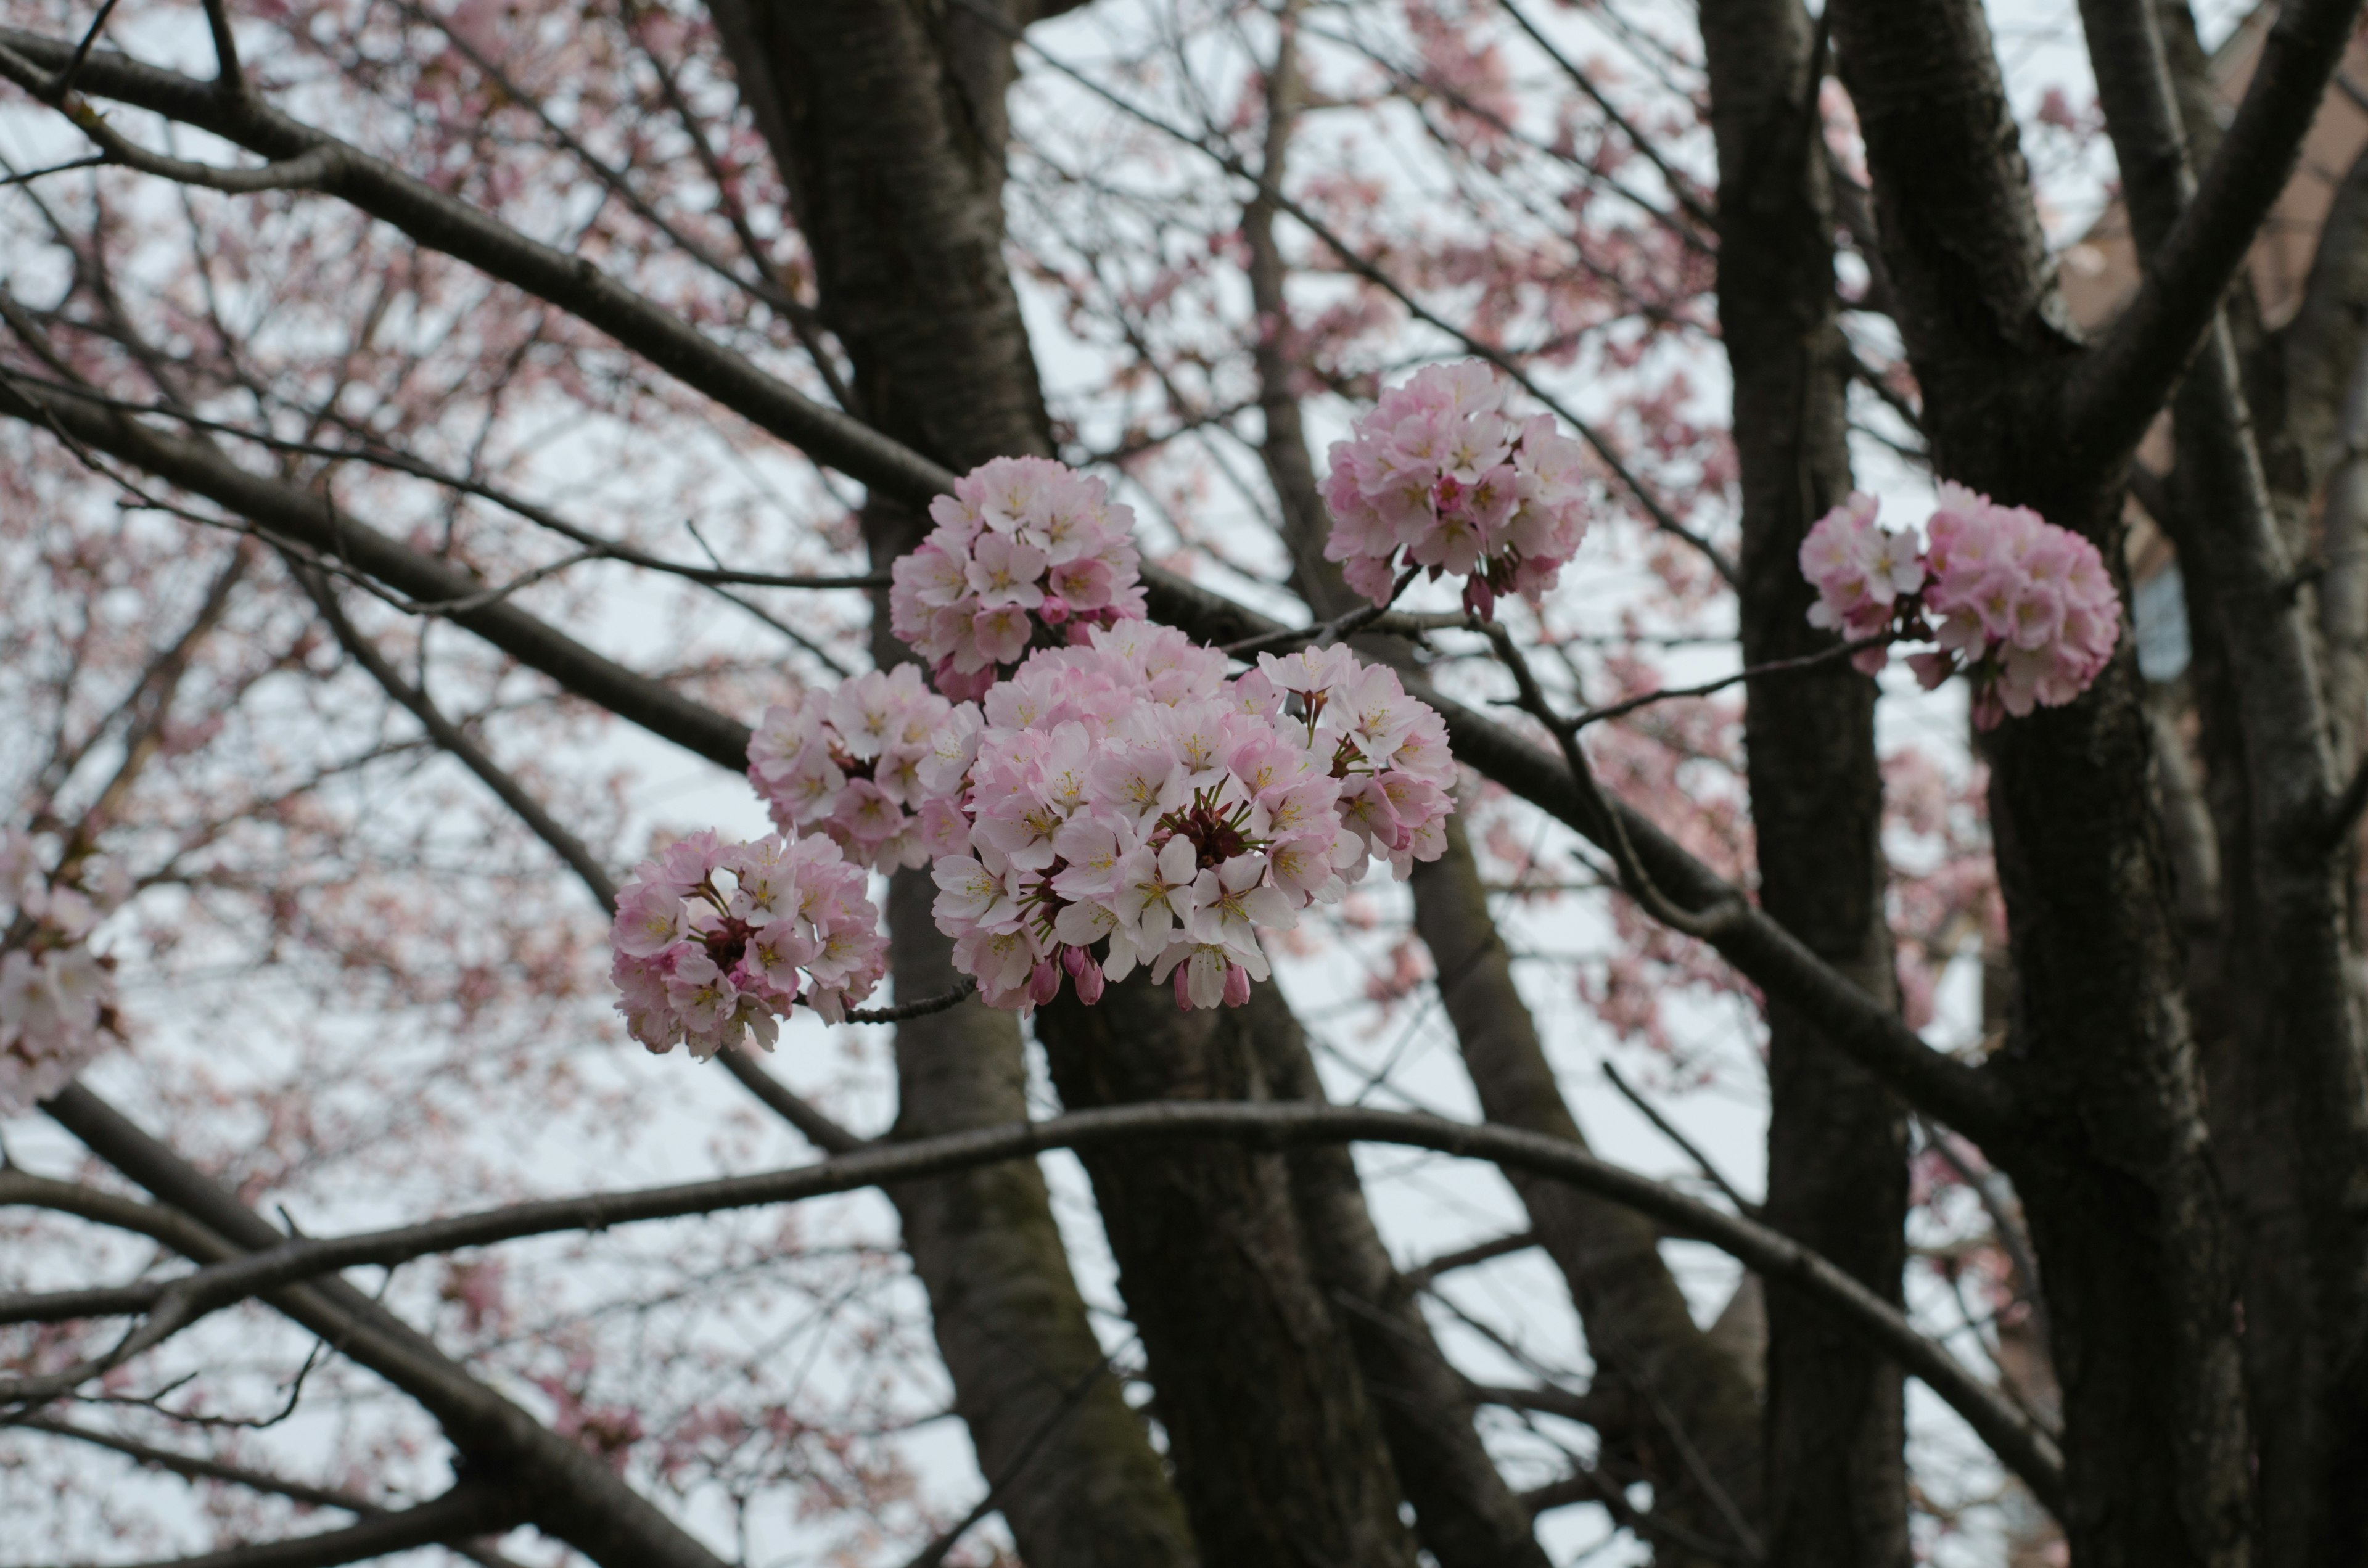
(1479, 597)
(1054, 611)
(1183, 997)
(1089, 981)
(1075, 961)
(1044, 982)
(1237, 985)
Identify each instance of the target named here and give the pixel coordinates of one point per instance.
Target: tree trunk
(889, 135)
(2114, 1171)
(1836, 1481)
(1277, 1452)
(1464, 1514)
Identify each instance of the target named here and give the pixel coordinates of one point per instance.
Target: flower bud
(1237, 985)
(1183, 996)
(1090, 983)
(1044, 982)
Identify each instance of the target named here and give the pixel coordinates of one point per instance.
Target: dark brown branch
(2113, 395)
(230, 78)
(1817, 660)
(465, 1511)
(197, 1468)
(575, 1497)
(577, 285)
(449, 735)
(1662, 1125)
(1419, 1277)
(595, 547)
(1772, 959)
(2024, 1448)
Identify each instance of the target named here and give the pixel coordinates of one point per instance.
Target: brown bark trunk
(889, 133)
(2291, 1119)
(1691, 1411)
(2114, 1170)
(1691, 1423)
(1836, 1481)
(1278, 1454)
(1464, 1514)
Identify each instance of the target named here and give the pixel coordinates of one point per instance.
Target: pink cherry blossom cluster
(1439, 470)
(714, 941)
(57, 996)
(2025, 609)
(1126, 795)
(847, 764)
(1022, 543)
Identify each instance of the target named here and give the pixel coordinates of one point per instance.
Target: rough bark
(1464, 1514)
(887, 123)
(1690, 1410)
(2113, 1167)
(2291, 1112)
(1278, 1453)
(1689, 1428)
(1837, 1482)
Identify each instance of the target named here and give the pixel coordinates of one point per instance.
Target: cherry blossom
(715, 941)
(2025, 609)
(1439, 470)
(1125, 803)
(847, 764)
(1023, 544)
(57, 996)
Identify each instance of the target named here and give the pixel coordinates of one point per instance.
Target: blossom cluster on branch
(57, 995)
(1023, 545)
(2025, 609)
(846, 763)
(1439, 471)
(1125, 803)
(715, 941)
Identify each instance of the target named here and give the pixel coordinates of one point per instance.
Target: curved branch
(575, 285)
(2026, 1449)
(466, 1511)
(2114, 393)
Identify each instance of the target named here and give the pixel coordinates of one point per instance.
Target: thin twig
(66, 79)
(94, 161)
(1714, 921)
(1772, 667)
(919, 1007)
(1662, 1125)
(1334, 630)
(230, 79)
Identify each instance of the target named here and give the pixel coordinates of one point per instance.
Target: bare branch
(197, 1468)
(453, 739)
(1661, 1124)
(1419, 1277)
(230, 79)
(444, 223)
(573, 1495)
(2115, 392)
(466, 1511)
(2022, 1446)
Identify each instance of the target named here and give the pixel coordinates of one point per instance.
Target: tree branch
(572, 1495)
(1768, 955)
(443, 224)
(2027, 1450)
(2115, 392)
(466, 1511)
